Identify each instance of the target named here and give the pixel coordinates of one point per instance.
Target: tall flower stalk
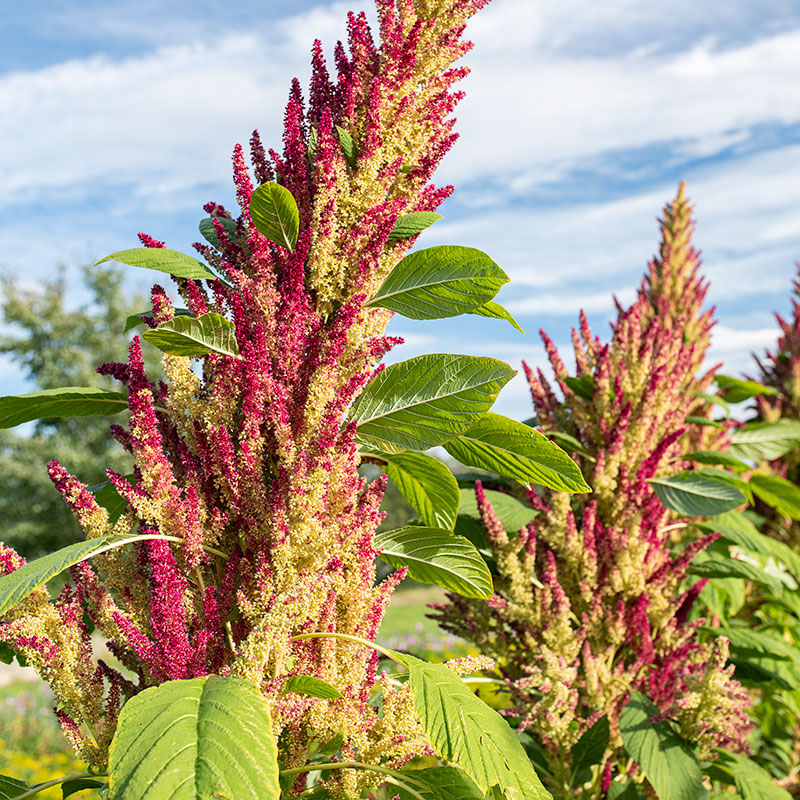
(589, 603)
(256, 527)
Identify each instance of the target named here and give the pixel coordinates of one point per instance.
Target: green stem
(392, 775)
(348, 638)
(74, 777)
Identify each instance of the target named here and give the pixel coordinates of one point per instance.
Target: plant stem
(74, 777)
(348, 638)
(392, 775)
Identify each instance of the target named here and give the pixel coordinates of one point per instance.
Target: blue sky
(579, 121)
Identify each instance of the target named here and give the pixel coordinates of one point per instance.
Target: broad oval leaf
(438, 783)
(11, 787)
(423, 402)
(134, 320)
(746, 641)
(467, 732)
(17, 585)
(516, 450)
(581, 385)
(751, 780)
(782, 495)
(512, 513)
(667, 761)
(209, 232)
(704, 422)
(411, 224)
(426, 483)
(160, 258)
(195, 336)
(765, 441)
(696, 496)
(438, 282)
(496, 311)
(194, 740)
(713, 458)
(735, 390)
(69, 401)
(436, 556)
(591, 747)
(107, 496)
(721, 567)
(275, 215)
(311, 686)
(349, 147)
(68, 788)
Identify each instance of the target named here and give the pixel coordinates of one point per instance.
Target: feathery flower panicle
(248, 466)
(604, 613)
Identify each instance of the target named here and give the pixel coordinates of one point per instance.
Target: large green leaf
(727, 567)
(349, 147)
(713, 458)
(423, 402)
(591, 747)
(160, 258)
(779, 493)
(435, 555)
(195, 336)
(413, 223)
(765, 441)
(134, 320)
(496, 311)
(667, 761)
(194, 740)
(11, 787)
(68, 788)
(468, 733)
(735, 390)
(512, 513)
(69, 401)
(17, 585)
(747, 641)
(695, 496)
(426, 483)
(516, 450)
(275, 215)
(209, 232)
(311, 686)
(109, 498)
(442, 281)
(752, 781)
(439, 783)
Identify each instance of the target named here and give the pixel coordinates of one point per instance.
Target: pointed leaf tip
(275, 214)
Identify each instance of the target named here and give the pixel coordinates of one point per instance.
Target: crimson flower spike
(604, 613)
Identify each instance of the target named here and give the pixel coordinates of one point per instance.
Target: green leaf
(567, 441)
(134, 320)
(625, 791)
(512, 513)
(747, 641)
(704, 422)
(496, 311)
(69, 788)
(465, 731)
(727, 477)
(195, 739)
(735, 390)
(582, 386)
(107, 496)
(515, 450)
(423, 402)
(160, 258)
(11, 787)
(209, 232)
(427, 484)
(591, 747)
(17, 585)
(667, 761)
(752, 782)
(311, 686)
(439, 783)
(765, 441)
(734, 568)
(349, 147)
(694, 496)
(780, 494)
(438, 282)
(409, 225)
(713, 458)
(195, 336)
(274, 213)
(68, 401)
(435, 555)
